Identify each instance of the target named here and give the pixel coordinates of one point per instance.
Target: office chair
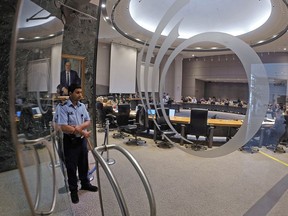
(198, 127)
(164, 129)
(103, 113)
(122, 121)
(31, 122)
(100, 114)
(253, 145)
(284, 138)
(142, 125)
(274, 134)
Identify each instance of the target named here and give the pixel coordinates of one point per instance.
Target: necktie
(67, 78)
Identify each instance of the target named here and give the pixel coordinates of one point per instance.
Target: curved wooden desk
(212, 122)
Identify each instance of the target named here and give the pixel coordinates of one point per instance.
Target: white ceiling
(200, 16)
(276, 22)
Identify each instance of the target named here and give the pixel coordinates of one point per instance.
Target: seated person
(273, 134)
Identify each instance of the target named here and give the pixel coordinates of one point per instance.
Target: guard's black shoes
(89, 187)
(74, 197)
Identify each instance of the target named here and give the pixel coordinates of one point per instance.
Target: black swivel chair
(284, 138)
(274, 134)
(103, 113)
(122, 121)
(164, 129)
(100, 116)
(142, 125)
(198, 126)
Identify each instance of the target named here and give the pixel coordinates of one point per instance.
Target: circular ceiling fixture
(232, 17)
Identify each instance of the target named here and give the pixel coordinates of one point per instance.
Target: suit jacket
(74, 78)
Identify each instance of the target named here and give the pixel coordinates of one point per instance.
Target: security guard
(73, 120)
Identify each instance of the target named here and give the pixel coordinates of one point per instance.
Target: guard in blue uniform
(73, 119)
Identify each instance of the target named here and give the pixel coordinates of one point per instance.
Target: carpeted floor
(236, 184)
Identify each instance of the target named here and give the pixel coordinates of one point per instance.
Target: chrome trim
(38, 187)
(113, 180)
(11, 93)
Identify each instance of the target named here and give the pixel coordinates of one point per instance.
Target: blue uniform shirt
(56, 114)
(70, 115)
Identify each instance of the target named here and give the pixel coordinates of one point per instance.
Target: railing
(113, 180)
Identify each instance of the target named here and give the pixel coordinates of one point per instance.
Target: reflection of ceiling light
(107, 17)
(200, 16)
(51, 35)
(214, 48)
(198, 48)
(103, 5)
(36, 37)
(261, 41)
(21, 38)
(285, 48)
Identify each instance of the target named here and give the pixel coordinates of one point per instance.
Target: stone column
(7, 151)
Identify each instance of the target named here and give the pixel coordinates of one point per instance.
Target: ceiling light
(285, 48)
(199, 16)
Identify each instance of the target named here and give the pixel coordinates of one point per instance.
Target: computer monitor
(171, 112)
(18, 114)
(269, 115)
(151, 111)
(36, 110)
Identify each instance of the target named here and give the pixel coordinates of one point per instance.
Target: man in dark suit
(67, 77)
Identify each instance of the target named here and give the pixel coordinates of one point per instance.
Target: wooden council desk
(211, 122)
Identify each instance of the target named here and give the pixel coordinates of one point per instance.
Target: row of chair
(122, 121)
(162, 132)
